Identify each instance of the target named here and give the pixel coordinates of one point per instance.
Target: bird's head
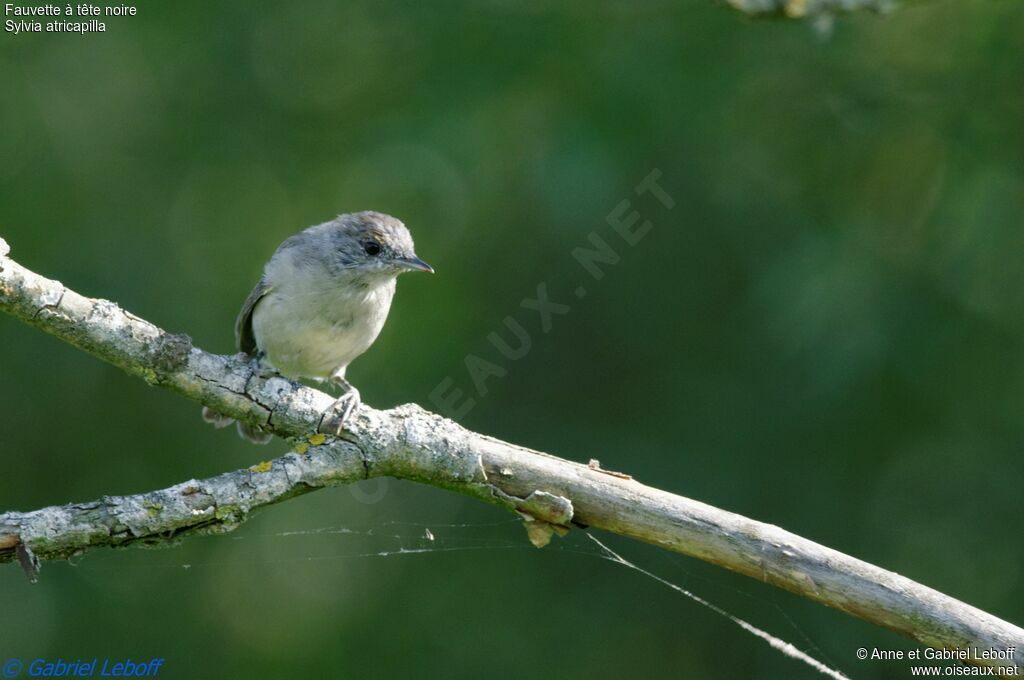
(371, 245)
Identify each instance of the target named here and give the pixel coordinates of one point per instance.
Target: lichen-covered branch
(552, 495)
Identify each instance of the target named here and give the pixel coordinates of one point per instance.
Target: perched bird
(322, 301)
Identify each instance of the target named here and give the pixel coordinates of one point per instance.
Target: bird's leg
(334, 418)
(260, 367)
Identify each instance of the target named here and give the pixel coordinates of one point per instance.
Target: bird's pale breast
(316, 331)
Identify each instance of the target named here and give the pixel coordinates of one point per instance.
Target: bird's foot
(337, 414)
(260, 367)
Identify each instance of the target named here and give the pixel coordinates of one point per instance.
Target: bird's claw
(337, 414)
(259, 367)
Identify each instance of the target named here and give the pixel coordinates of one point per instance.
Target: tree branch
(799, 9)
(551, 494)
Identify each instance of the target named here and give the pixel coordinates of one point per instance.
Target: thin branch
(551, 494)
(799, 9)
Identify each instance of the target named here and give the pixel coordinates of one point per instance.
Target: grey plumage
(321, 302)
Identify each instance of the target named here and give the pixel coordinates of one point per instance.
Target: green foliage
(824, 333)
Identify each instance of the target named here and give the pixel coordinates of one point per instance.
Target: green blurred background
(824, 333)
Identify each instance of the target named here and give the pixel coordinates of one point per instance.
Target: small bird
(321, 302)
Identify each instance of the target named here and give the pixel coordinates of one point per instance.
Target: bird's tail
(251, 432)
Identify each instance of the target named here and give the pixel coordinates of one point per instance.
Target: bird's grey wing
(243, 325)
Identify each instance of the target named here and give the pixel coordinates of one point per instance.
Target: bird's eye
(372, 248)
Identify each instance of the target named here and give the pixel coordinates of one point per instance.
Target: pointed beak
(415, 264)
